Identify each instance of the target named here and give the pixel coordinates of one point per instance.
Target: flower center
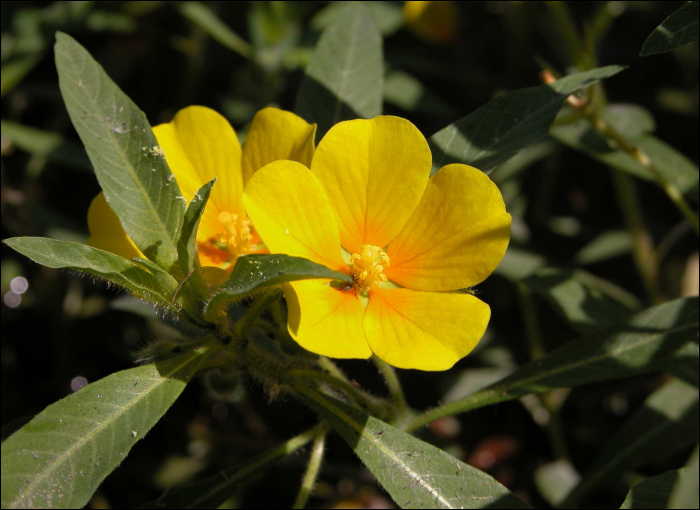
(368, 267)
(237, 234)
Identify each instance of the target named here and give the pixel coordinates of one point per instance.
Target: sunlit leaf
(60, 457)
(128, 162)
(666, 423)
(100, 263)
(686, 492)
(657, 339)
(345, 77)
(498, 130)
(679, 29)
(656, 491)
(253, 273)
(415, 473)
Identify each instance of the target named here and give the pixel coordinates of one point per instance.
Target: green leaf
(60, 457)
(407, 92)
(679, 29)
(498, 130)
(253, 273)
(415, 473)
(609, 244)
(207, 20)
(586, 302)
(46, 144)
(673, 166)
(629, 119)
(187, 245)
(387, 16)
(653, 492)
(686, 493)
(345, 77)
(666, 423)
(15, 71)
(128, 162)
(100, 263)
(657, 339)
(214, 491)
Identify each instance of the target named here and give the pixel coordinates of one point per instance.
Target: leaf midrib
(27, 491)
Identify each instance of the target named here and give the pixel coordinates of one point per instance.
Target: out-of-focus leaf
(555, 480)
(128, 162)
(686, 493)
(472, 380)
(586, 302)
(679, 29)
(60, 457)
(607, 245)
(214, 491)
(653, 340)
(415, 474)
(99, 21)
(518, 264)
(100, 263)
(666, 423)
(14, 72)
(253, 273)
(47, 144)
(207, 20)
(387, 16)
(673, 166)
(498, 130)
(403, 90)
(522, 160)
(345, 77)
(631, 120)
(653, 492)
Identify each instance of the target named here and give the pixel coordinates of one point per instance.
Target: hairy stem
(394, 386)
(307, 483)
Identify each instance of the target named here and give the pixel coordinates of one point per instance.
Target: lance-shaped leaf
(214, 491)
(128, 162)
(253, 273)
(673, 166)
(686, 492)
(654, 492)
(103, 264)
(498, 130)
(666, 424)
(657, 339)
(415, 473)
(60, 457)
(679, 29)
(345, 77)
(187, 244)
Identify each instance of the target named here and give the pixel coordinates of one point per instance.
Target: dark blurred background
(60, 330)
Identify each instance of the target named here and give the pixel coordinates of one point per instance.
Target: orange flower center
(235, 239)
(368, 267)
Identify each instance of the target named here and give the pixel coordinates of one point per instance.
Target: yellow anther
(368, 267)
(236, 234)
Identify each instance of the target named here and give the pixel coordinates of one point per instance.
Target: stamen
(368, 267)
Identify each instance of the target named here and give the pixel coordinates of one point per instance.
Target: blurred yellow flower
(435, 21)
(368, 208)
(200, 144)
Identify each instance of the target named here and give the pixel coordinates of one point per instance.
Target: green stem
(641, 157)
(313, 468)
(362, 399)
(330, 367)
(394, 386)
(642, 248)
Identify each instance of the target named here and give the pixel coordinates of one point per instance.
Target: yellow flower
(435, 21)
(366, 207)
(200, 144)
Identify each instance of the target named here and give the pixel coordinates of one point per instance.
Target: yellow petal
(326, 321)
(106, 231)
(277, 134)
(199, 145)
(457, 235)
(292, 215)
(423, 330)
(374, 173)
